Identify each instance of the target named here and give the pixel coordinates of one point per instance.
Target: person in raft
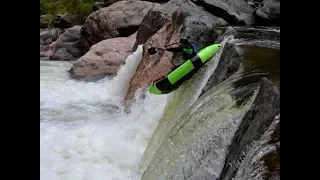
(187, 48)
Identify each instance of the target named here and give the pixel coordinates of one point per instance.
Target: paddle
(154, 50)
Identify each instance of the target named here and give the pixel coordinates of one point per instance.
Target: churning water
(84, 131)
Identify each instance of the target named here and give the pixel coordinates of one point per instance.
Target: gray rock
(269, 13)
(195, 25)
(229, 63)
(234, 12)
(157, 17)
(66, 47)
(120, 19)
(228, 32)
(265, 108)
(48, 36)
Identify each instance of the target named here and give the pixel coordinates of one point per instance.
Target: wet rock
(229, 63)
(234, 12)
(265, 108)
(229, 31)
(259, 33)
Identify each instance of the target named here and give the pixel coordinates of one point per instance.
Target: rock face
(234, 12)
(269, 13)
(120, 19)
(156, 18)
(151, 66)
(189, 21)
(103, 58)
(66, 47)
(256, 121)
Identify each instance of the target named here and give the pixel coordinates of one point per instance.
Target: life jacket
(189, 53)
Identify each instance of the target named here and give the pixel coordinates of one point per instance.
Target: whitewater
(85, 133)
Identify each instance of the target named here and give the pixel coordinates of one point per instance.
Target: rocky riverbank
(221, 124)
(100, 43)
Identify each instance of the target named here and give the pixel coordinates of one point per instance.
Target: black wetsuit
(188, 51)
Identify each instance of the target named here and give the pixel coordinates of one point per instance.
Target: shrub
(81, 7)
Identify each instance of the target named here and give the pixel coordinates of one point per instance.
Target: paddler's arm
(176, 49)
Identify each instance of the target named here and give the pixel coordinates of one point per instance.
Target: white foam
(83, 132)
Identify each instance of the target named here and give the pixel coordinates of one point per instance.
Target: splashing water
(84, 134)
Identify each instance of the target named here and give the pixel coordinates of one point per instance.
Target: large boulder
(234, 12)
(269, 13)
(189, 21)
(120, 19)
(66, 47)
(97, 5)
(156, 18)
(103, 58)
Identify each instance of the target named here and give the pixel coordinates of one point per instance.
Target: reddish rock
(188, 21)
(157, 17)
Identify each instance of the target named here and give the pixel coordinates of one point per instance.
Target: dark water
(264, 60)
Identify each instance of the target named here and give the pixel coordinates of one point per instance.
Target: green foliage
(47, 19)
(81, 7)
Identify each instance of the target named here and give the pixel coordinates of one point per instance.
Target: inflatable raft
(178, 76)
